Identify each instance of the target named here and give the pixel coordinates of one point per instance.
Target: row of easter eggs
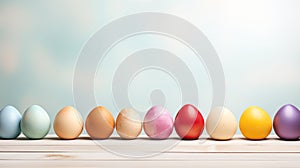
(221, 124)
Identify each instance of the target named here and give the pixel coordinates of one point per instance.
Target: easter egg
(221, 124)
(128, 124)
(255, 123)
(10, 119)
(189, 122)
(68, 123)
(100, 123)
(287, 122)
(35, 123)
(158, 123)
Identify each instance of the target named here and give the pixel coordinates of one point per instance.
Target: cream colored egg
(221, 124)
(68, 123)
(128, 124)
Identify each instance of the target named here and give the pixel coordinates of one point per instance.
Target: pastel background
(257, 42)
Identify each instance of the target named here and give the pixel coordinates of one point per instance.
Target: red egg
(189, 122)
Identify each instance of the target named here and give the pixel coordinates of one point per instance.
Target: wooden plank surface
(115, 152)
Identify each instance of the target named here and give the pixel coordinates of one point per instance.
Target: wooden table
(83, 152)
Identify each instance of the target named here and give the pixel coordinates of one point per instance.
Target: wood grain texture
(115, 152)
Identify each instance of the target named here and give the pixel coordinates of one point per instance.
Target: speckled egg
(10, 119)
(221, 124)
(128, 124)
(35, 123)
(68, 123)
(100, 123)
(158, 123)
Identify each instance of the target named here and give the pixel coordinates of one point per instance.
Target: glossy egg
(10, 119)
(255, 123)
(68, 123)
(128, 124)
(287, 122)
(221, 124)
(35, 123)
(100, 123)
(189, 122)
(158, 123)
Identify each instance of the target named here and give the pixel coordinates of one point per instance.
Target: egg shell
(35, 123)
(255, 123)
(128, 124)
(68, 123)
(100, 123)
(221, 124)
(287, 122)
(10, 119)
(189, 122)
(158, 123)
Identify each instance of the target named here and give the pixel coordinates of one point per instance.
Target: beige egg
(68, 123)
(221, 124)
(128, 124)
(100, 123)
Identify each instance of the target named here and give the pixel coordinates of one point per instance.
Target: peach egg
(68, 123)
(100, 123)
(128, 124)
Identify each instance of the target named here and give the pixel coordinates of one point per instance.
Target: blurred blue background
(257, 42)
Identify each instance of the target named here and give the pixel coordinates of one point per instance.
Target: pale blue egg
(10, 119)
(35, 122)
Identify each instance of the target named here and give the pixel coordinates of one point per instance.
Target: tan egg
(68, 123)
(221, 124)
(128, 124)
(100, 123)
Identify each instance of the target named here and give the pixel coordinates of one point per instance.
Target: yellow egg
(221, 124)
(255, 123)
(100, 123)
(128, 124)
(68, 123)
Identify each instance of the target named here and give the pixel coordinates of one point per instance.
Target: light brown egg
(100, 123)
(68, 123)
(221, 124)
(128, 124)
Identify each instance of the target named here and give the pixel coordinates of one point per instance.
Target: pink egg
(158, 123)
